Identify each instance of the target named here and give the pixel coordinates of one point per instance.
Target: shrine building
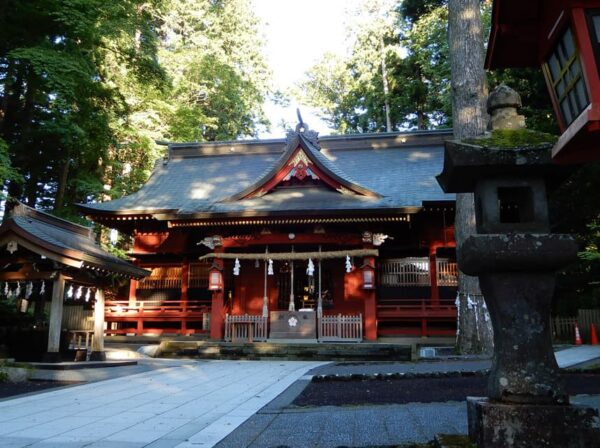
(332, 239)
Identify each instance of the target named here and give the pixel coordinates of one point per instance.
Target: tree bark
(386, 90)
(469, 94)
(62, 186)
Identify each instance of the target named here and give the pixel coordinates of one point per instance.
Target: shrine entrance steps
(281, 350)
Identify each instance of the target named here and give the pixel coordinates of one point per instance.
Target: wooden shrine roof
(383, 173)
(515, 33)
(62, 241)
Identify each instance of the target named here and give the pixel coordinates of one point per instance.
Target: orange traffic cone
(593, 335)
(578, 340)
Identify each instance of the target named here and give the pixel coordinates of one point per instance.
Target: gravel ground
(408, 390)
(26, 387)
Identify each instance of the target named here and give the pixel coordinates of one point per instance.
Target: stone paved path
(191, 406)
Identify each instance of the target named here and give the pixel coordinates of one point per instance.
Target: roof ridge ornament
(303, 129)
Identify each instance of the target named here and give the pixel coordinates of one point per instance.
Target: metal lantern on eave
(215, 278)
(563, 37)
(368, 273)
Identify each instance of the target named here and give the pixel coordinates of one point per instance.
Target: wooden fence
(405, 272)
(414, 271)
(340, 328)
(563, 328)
(246, 327)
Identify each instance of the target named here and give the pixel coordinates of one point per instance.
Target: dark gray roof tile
(403, 176)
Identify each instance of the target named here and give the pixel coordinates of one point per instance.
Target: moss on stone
(454, 441)
(509, 138)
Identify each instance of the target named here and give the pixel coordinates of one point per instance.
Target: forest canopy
(87, 86)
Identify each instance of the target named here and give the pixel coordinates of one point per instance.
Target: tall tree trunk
(62, 186)
(386, 90)
(469, 94)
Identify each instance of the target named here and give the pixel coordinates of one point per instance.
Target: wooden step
(290, 351)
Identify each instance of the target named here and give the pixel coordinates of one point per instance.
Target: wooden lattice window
(199, 274)
(447, 272)
(564, 70)
(162, 278)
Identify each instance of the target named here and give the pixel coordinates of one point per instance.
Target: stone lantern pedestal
(515, 257)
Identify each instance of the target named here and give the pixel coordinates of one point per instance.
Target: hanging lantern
(368, 274)
(215, 278)
(348, 264)
(270, 268)
(236, 267)
(310, 271)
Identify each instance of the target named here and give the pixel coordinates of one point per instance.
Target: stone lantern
(515, 257)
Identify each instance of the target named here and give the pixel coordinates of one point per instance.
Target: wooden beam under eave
(41, 251)
(27, 275)
(300, 238)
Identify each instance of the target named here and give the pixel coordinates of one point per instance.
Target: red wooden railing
(401, 313)
(416, 308)
(144, 313)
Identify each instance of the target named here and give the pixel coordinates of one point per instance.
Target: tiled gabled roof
(200, 179)
(62, 241)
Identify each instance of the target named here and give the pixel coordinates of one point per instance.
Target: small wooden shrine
(338, 238)
(45, 257)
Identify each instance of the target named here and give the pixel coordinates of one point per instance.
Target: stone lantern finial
(502, 105)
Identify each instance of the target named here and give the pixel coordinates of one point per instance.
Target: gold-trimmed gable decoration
(303, 165)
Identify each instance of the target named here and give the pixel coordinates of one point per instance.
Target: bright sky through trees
(297, 34)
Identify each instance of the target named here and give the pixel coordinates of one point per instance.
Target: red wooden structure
(562, 37)
(290, 227)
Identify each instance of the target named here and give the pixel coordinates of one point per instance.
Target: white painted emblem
(292, 321)
(12, 247)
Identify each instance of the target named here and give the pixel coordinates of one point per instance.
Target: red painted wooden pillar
(185, 276)
(370, 315)
(216, 311)
(370, 333)
(133, 284)
(435, 292)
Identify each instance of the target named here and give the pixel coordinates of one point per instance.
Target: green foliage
(591, 252)
(212, 54)
(11, 317)
(7, 172)
(408, 54)
(513, 138)
(411, 36)
(87, 86)
(575, 209)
